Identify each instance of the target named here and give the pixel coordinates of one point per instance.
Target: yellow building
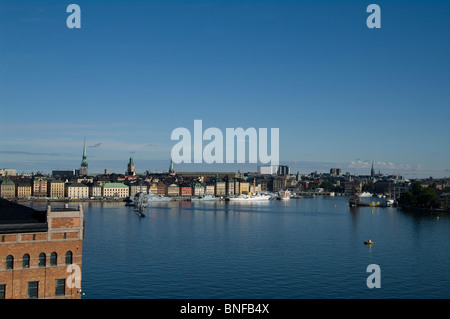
(173, 190)
(77, 190)
(244, 187)
(154, 188)
(23, 190)
(56, 188)
(221, 189)
(119, 190)
(7, 189)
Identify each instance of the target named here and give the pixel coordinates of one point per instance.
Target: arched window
(42, 260)
(9, 262)
(26, 261)
(53, 259)
(69, 258)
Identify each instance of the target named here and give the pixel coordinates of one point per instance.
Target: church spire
(171, 170)
(84, 164)
(84, 159)
(372, 171)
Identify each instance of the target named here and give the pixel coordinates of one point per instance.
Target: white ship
(205, 197)
(365, 194)
(157, 198)
(249, 198)
(149, 198)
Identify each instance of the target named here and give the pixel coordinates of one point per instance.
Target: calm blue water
(302, 248)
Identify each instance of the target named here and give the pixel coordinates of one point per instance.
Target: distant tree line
(419, 196)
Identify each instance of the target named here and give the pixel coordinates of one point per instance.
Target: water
(302, 248)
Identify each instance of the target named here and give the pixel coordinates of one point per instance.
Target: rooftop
(19, 218)
(115, 185)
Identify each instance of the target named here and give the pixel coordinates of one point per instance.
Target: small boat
(368, 242)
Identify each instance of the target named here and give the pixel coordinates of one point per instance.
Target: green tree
(419, 196)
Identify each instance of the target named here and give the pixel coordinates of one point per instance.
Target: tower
(372, 171)
(130, 170)
(171, 170)
(84, 163)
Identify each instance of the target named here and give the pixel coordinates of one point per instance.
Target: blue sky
(340, 93)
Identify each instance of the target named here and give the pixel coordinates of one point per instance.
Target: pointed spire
(84, 148)
(171, 170)
(84, 158)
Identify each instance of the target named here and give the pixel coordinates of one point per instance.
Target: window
(69, 258)
(53, 259)
(26, 261)
(2, 291)
(33, 289)
(42, 260)
(9, 262)
(60, 285)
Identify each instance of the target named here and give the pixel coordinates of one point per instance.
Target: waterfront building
(36, 248)
(7, 188)
(39, 186)
(220, 188)
(84, 164)
(244, 187)
(23, 189)
(119, 190)
(237, 188)
(162, 188)
(56, 188)
(173, 190)
(134, 189)
(185, 190)
(95, 190)
(77, 190)
(230, 188)
(198, 189)
(131, 169)
(153, 187)
(210, 189)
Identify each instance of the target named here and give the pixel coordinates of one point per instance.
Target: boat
(157, 198)
(390, 202)
(368, 242)
(204, 197)
(365, 194)
(249, 198)
(284, 195)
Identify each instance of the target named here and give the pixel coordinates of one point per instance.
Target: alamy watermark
(73, 280)
(374, 279)
(190, 146)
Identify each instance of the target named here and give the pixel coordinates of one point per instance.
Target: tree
(419, 196)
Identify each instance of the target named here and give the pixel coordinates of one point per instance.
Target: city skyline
(341, 94)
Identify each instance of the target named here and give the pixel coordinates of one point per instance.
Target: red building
(40, 252)
(185, 191)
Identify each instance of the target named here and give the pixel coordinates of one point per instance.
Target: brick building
(39, 187)
(40, 252)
